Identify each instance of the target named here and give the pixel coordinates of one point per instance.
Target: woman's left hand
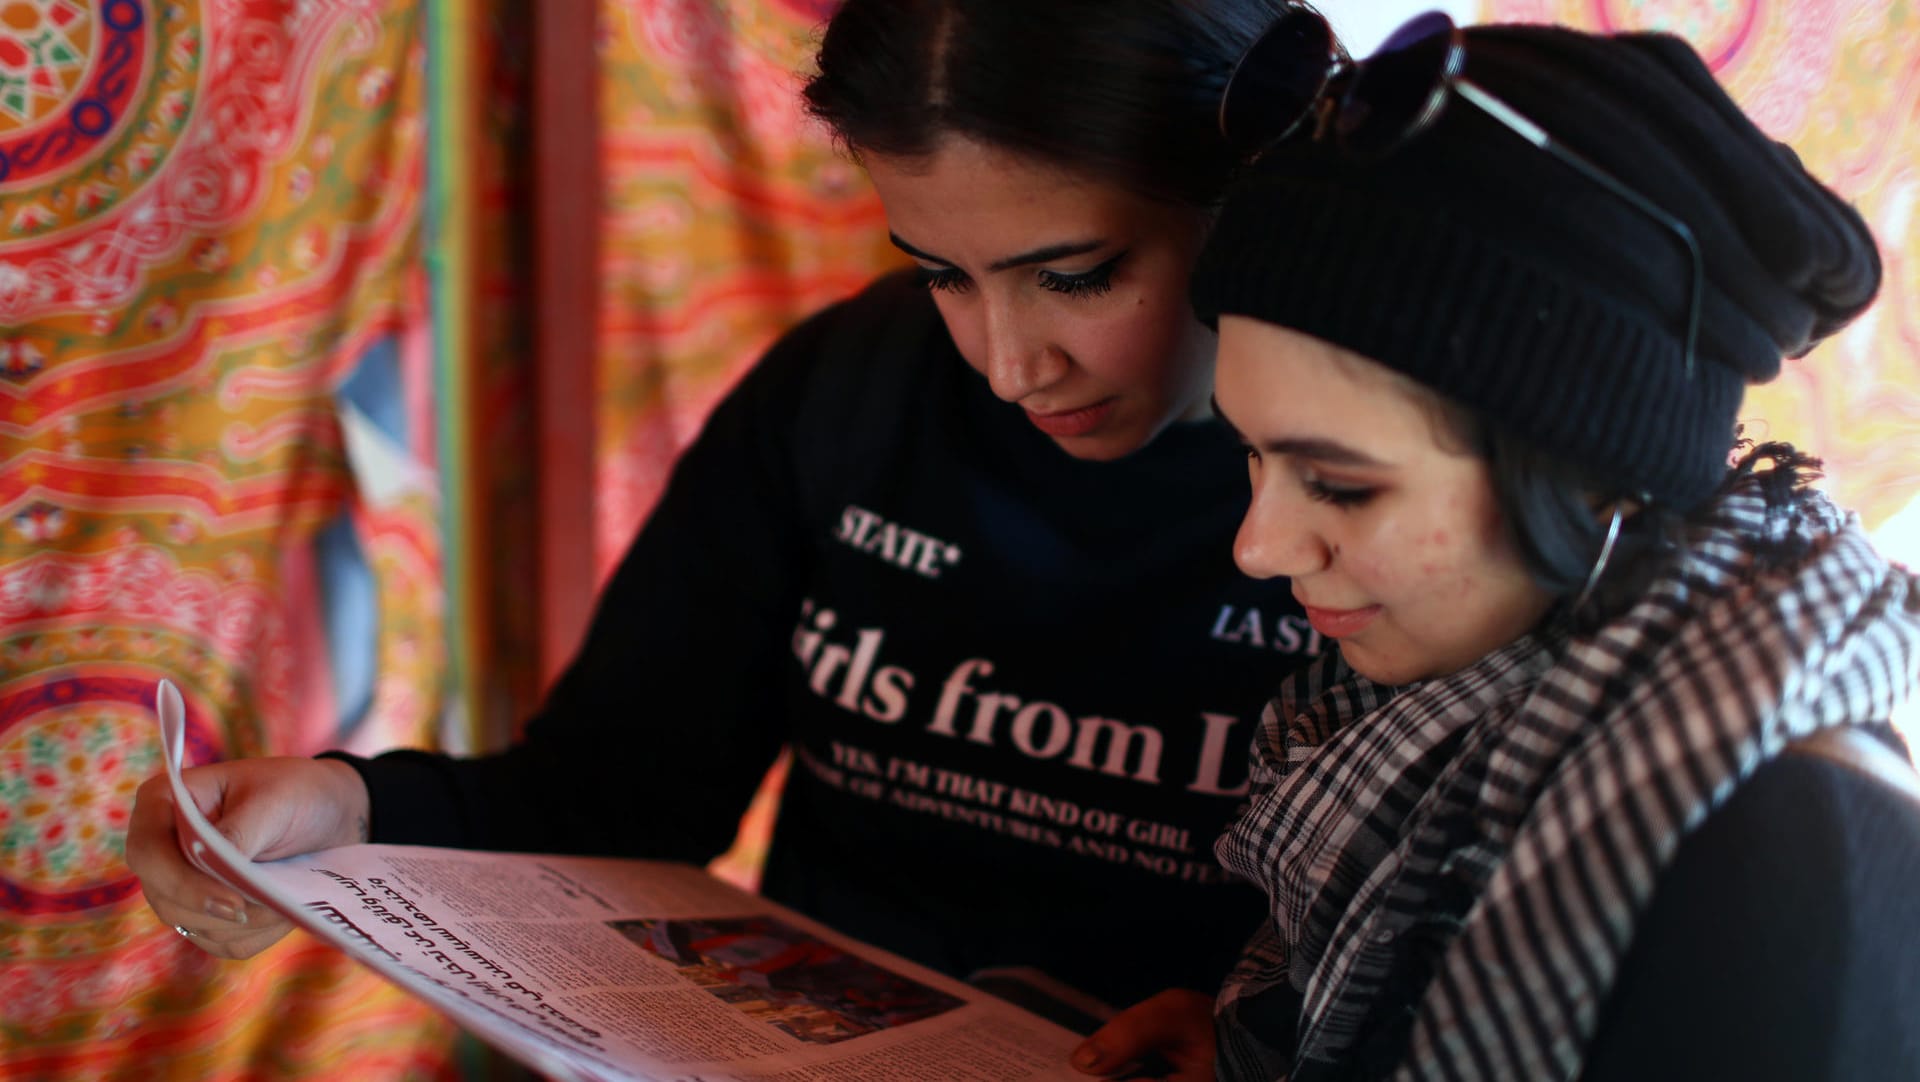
(1170, 1033)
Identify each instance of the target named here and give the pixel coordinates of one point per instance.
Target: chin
(1389, 672)
(1098, 448)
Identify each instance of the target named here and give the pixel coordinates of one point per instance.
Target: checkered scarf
(1455, 867)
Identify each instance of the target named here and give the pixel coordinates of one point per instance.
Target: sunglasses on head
(1294, 82)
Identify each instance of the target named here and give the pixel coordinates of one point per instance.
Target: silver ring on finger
(186, 932)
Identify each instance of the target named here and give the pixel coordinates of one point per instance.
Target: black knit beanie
(1486, 269)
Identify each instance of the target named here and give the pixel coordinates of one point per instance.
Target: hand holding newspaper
(600, 969)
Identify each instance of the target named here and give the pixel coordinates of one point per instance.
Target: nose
(1276, 539)
(1020, 357)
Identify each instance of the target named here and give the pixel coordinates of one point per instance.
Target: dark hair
(1123, 90)
(1559, 515)
(1555, 509)
(1550, 505)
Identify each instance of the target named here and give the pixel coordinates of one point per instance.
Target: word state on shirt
(968, 707)
(902, 546)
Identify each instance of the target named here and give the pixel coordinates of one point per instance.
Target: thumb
(1168, 1022)
(218, 798)
(1094, 1056)
(284, 806)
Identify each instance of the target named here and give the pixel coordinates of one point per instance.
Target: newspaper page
(600, 969)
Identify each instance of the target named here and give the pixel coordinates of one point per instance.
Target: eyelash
(1338, 497)
(944, 280)
(1320, 491)
(1090, 283)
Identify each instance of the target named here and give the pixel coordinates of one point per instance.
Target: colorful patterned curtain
(221, 416)
(216, 465)
(730, 216)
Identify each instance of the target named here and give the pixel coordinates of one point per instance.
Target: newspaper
(599, 969)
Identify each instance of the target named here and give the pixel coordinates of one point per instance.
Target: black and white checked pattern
(1521, 810)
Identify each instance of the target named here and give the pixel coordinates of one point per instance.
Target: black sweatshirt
(1020, 687)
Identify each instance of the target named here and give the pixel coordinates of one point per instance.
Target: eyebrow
(1025, 259)
(1317, 450)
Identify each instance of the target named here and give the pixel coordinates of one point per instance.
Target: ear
(1627, 506)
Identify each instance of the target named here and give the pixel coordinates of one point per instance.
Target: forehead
(972, 195)
(1278, 383)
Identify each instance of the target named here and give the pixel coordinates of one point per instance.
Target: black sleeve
(1782, 943)
(655, 738)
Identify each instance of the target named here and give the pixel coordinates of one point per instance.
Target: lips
(1076, 422)
(1340, 623)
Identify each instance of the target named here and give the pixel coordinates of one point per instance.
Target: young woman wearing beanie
(960, 543)
(1599, 781)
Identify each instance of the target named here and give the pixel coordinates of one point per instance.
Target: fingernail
(1086, 1055)
(220, 909)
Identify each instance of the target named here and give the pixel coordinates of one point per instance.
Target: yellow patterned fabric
(1839, 80)
(210, 213)
(731, 217)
